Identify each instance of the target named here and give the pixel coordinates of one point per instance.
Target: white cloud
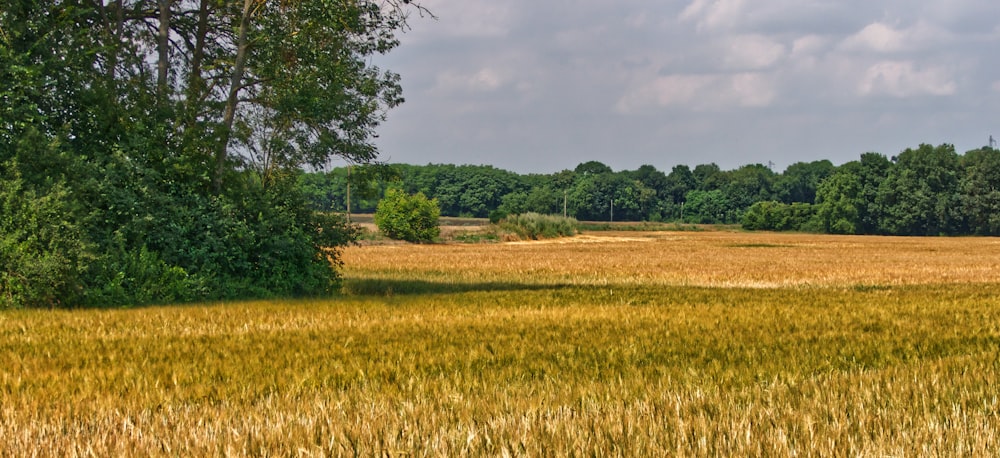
(752, 52)
(808, 45)
(752, 90)
(882, 38)
(877, 37)
(905, 79)
(577, 70)
(713, 14)
(715, 92)
(482, 80)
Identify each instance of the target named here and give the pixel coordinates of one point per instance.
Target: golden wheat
(714, 259)
(596, 346)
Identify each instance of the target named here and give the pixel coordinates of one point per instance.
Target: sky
(541, 86)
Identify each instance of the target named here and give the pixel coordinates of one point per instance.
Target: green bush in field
(412, 218)
(536, 226)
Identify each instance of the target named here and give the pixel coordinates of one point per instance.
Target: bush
(497, 215)
(122, 277)
(412, 218)
(535, 226)
(777, 216)
(42, 253)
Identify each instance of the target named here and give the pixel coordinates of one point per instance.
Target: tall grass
(535, 226)
(426, 362)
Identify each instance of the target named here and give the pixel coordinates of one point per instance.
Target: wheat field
(607, 344)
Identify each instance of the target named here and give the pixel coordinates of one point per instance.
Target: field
(608, 344)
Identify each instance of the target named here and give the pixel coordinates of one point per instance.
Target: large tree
(173, 131)
(980, 190)
(920, 195)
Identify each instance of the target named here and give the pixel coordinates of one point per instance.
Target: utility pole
(565, 198)
(993, 143)
(612, 210)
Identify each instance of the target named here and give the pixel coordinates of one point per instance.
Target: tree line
(927, 190)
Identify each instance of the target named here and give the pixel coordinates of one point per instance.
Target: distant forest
(929, 190)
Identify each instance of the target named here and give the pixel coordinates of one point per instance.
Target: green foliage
(610, 196)
(149, 149)
(707, 207)
(534, 226)
(930, 190)
(43, 252)
(497, 215)
(839, 201)
(763, 216)
(800, 181)
(592, 168)
(412, 218)
(463, 190)
(123, 277)
(920, 194)
(749, 184)
(777, 216)
(980, 191)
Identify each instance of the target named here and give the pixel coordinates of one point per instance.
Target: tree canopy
(928, 190)
(165, 137)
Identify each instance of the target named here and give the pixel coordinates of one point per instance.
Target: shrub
(535, 226)
(777, 216)
(497, 215)
(412, 218)
(42, 253)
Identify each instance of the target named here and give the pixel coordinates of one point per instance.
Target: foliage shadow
(389, 287)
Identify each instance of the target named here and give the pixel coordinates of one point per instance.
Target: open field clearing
(710, 259)
(628, 344)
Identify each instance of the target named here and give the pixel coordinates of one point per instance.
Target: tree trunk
(235, 85)
(163, 48)
(198, 55)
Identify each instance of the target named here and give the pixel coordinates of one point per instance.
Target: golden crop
(711, 259)
(690, 344)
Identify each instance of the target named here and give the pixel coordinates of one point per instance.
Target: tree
(920, 194)
(749, 184)
(708, 177)
(412, 218)
(592, 168)
(763, 216)
(871, 170)
(980, 191)
(679, 182)
(800, 180)
(838, 202)
(708, 207)
(178, 127)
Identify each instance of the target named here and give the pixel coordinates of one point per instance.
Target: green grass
(444, 368)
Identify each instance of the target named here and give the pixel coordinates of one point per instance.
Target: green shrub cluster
(777, 216)
(42, 252)
(534, 226)
(412, 218)
(133, 241)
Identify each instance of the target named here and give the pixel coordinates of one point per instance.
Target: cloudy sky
(541, 86)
